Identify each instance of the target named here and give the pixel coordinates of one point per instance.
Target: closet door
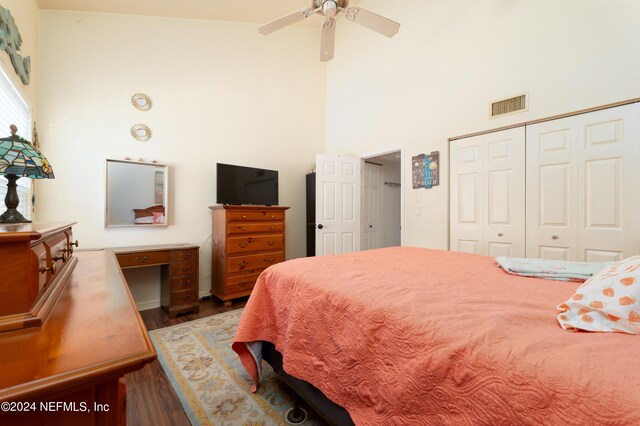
(504, 193)
(487, 194)
(609, 184)
(466, 196)
(552, 231)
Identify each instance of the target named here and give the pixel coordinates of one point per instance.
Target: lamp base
(12, 215)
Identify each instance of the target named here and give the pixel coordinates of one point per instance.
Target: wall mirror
(137, 194)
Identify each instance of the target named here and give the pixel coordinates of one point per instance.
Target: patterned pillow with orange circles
(609, 301)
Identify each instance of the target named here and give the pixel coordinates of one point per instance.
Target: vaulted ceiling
(253, 11)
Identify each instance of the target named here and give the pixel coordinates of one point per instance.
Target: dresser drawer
(255, 243)
(241, 283)
(254, 227)
(182, 255)
(253, 262)
(179, 269)
(183, 297)
(188, 282)
(40, 256)
(149, 258)
(255, 215)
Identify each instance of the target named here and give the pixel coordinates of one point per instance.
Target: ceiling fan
(330, 9)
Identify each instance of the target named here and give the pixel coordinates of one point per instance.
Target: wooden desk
(92, 337)
(179, 273)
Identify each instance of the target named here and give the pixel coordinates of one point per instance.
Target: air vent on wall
(509, 106)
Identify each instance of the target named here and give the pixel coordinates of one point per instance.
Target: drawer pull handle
(272, 242)
(271, 217)
(271, 227)
(243, 245)
(184, 297)
(144, 259)
(244, 228)
(70, 246)
(185, 283)
(64, 257)
(244, 216)
(53, 268)
(243, 264)
(269, 260)
(245, 283)
(186, 268)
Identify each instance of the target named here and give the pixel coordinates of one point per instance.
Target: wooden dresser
(246, 240)
(179, 274)
(37, 260)
(68, 368)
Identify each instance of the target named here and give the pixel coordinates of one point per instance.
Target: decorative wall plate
(141, 132)
(141, 102)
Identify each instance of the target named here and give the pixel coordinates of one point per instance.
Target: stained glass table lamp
(18, 158)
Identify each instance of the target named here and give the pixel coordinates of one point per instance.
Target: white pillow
(608, 302)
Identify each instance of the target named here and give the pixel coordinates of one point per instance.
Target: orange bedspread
(415, 336)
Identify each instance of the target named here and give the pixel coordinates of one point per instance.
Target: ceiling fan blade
(286, 20)
(372, 21)
(328, 39)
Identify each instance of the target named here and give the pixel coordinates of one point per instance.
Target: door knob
(500, 234)
(320, 226)
(370, 226)
(554, 237)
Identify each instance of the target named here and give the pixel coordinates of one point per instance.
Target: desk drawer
(255, 215)
(241, 283)
(180, 269)
(183, 283)
(183, 297)
(255, 243)
(253, 261)
(183, 255)
(254, 228)
(143, 259)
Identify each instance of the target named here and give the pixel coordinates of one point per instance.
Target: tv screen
(246, 185)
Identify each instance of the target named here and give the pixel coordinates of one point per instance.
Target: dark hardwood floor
(150, 398)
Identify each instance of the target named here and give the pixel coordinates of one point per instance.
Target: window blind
(14, 109)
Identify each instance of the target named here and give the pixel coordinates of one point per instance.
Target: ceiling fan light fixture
(330, 9)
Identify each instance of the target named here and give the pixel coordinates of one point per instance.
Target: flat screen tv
(246, 185)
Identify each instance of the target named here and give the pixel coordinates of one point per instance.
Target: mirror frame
(165, 201)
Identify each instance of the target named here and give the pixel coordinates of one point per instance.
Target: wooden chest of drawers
(37, 260)
(246, 241)
(179, 274)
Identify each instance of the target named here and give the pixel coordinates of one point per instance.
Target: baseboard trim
(149, 304)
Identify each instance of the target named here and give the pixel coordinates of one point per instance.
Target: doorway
(382, 206)
(338, 212)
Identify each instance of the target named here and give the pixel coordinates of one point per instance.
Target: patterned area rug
(210, 380)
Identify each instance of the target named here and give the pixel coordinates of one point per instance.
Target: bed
(417, 336)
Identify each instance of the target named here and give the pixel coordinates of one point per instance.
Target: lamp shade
(18, 157)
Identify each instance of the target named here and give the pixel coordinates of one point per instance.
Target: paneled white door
(609, 183)
(467, 210)
(552, 206)
(372, 206)
(487, 194)
(338, 220)
(504, 193)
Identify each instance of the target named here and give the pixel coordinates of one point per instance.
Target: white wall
(221, 93)
(436, 78)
